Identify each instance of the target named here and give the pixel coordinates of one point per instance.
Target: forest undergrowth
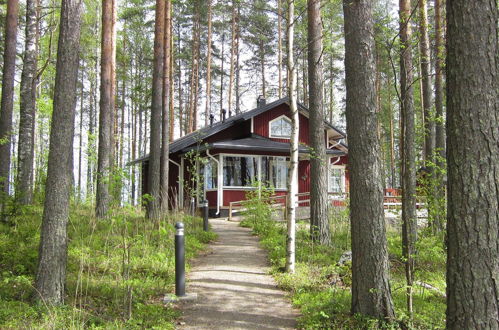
(118, 271)
(321, 285)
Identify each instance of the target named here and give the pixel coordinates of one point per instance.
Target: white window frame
(205, 175)
(258, 176)
(286, 160)
(343, 180)
(258, 171)
(274, 120)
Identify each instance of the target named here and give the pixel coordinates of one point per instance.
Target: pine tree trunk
(424, 48)
(279, 47)
(106, 105)
(27, 109)
(319, 216)
(172, 81)
(52, 258)
(238, 67)
(208, 69)
(165, 134)
(473, 163)
(7, 102)
(293, 169)
(370, 286)
(262, 68)
(153, 205)
(408, 164)
(232, 54)
(439, 106)
(78, 196)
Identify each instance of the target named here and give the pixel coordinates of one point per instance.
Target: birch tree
(293, 169)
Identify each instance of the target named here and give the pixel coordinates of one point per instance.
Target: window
(240, 171)
(336, 179)
(280, 127)
(275, 171)
(210, 175)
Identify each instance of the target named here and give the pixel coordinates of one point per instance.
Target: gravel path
(234, 290)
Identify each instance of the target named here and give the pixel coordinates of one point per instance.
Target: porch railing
(281, 201)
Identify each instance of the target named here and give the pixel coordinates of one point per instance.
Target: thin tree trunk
(319, 217)
(171, 77)
(439, 108)
(279, 47)
(208, 69)
(370, 285)
(27, 109)
(222, 72)
(165, 134)
(52, 258)
(80, 147)
(424, 48)
(473, 162)
(106, 112)
(262, 68)
(408, 164)
(293, 170)
(232, 54)
(304, 80)
(153, 205)
(7, 102)
(238, 68)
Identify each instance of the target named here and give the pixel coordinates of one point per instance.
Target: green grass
(118, 270)
(320, 287)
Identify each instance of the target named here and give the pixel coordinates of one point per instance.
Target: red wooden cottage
(243, 149)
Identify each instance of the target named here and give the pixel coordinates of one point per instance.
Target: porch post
(259, 176)
(220, 181)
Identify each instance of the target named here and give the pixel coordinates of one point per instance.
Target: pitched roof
(255, 143)
(205, 132)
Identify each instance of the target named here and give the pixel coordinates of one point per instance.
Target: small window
(210, 175)
(275, 171)
(239, 171)
(337, 179)
(280, 127)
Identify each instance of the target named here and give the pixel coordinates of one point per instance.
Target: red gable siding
(261, 123)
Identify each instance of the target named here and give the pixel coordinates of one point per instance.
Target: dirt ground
(233, 287)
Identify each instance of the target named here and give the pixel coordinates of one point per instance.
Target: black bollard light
(204, 212)
(179, 260)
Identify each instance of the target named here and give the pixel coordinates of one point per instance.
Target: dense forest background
(88, 87)
(247, 60)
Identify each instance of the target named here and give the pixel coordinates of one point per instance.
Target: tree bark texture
(232, 54)
(439, 79)
(7, 102)
(319, 217)
(208, 68)
(52, 256)
(424, 48)
(106, 108)
(165, 134)
(408, 163)
(439, 107)
(473, 165)
(293, 170)
(370, 286)
(279, 48)
(153, 205)
(27, 107)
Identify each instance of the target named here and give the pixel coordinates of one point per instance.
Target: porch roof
(257, 144)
